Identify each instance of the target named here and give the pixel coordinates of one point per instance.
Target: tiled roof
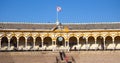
(50, 26)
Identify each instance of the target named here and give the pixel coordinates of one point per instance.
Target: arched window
(47, 41)
(38, 42)
(13, 41)
(72, 41)
(30, 41)
(22, 41)
(4, 42)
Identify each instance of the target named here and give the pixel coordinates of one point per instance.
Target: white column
(95, 43)
(52, 42)
(95, 40)
(17, 43)
(0, 42)
(33, 42)
(77, 41)
(8, 43)
(86, 43)
(78, 44)
(42, 43)
(68, 43)
(113, 42)
(65, 43)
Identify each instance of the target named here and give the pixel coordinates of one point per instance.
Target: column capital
(86, 38)
(77, 38)
(53, 40)
(42, 38)
(95, 37)
(26, 38)
(67, 40)
(8, 39)
(113, 37)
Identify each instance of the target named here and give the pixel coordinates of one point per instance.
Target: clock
(60, 38)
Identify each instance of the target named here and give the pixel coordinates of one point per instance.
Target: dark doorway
(100, 42)
(38, 42)
(4, 42)
(13, 42)
(72, 42)
(47, 41)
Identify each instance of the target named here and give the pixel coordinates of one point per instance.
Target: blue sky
(73, 11)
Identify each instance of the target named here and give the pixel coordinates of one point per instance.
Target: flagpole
(57, 15)
(58, 9)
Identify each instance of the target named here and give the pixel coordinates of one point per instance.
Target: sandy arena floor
(50, 57)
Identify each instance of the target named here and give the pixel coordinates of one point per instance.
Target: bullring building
(57, 36)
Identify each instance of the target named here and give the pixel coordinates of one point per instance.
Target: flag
(58, 9)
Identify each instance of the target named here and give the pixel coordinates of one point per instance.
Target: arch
(47, 41)
(60, 43)
(4, 41)
(38, 42)
(13, 42)
(91, 40)
(108, 40)
(22, 41)
(100, 42)
(117, 40)
(82, 40)
(30, 41)
(72, 41)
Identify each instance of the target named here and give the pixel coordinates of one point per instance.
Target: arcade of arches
(52, 41)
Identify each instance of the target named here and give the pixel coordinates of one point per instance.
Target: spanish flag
(59, 8)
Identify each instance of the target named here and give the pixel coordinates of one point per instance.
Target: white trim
(95, 23)
(62, 23)
(23, 23)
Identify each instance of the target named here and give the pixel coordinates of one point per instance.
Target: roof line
(62, 23)
(24, 23)
(95, 23)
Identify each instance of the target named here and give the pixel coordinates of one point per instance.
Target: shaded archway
(108, 40)
(117, 40)
(100, 42)
(30, 41)
(60, 41)
(82, 40)
(13, 42)
(4, 42)
(91, 40)
(47, 41)
(38, 42)
(72, 41)
(22, 41)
